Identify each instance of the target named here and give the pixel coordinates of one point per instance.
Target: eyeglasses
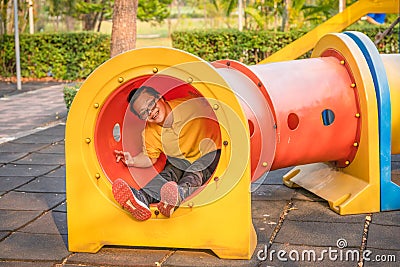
(146, 112)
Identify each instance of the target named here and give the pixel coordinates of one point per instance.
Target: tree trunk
(123, 35)
(89, 21)
(86, 22)
(342, 5)
(100, 20)
(70, 23)
(286, 15)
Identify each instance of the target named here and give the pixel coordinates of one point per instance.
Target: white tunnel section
(260, 120)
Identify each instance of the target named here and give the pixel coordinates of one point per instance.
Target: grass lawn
(144, 42)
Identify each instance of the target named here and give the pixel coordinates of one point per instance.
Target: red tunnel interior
(115, 120)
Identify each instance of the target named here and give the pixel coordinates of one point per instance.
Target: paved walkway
(33, 229)
(35, 107)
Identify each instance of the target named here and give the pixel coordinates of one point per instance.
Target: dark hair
(136, 92)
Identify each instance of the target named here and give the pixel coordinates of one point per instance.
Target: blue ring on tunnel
(389, 191)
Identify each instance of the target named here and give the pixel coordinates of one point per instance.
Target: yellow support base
(346, 194)
(224, 226)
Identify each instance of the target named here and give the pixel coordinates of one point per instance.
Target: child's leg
(172, 193)
(199, 172)
(173, 171)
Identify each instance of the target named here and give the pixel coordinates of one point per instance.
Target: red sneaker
(125, 196)
(170, 199)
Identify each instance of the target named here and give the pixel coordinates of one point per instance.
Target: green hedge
(250, 47)
(70, 91)
(73, 56)
(68, 56)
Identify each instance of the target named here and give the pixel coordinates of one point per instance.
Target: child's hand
(124, 157)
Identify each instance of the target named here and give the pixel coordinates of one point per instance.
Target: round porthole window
(293, 121)
(328, 117)
(117, 132)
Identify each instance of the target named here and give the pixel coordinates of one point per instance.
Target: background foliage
(250, 47)
(70, 91)
(63, 56)
(73, 56)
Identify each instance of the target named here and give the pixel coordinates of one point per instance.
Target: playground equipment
(336, 23)
(332, 114)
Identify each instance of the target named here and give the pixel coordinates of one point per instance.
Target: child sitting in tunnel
(186, 131)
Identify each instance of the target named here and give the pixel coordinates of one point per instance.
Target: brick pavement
(33, 229)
